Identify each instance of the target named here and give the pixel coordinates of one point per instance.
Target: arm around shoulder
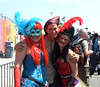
(72, 56)
(20, 55)
(19, 46)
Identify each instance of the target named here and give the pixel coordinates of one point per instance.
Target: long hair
(66, 29)
(35, 50)
(57, 54)
(33, 23)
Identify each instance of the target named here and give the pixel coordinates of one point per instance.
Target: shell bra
(30, 69)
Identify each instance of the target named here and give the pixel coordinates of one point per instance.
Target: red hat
(54, 20)
(68, 29)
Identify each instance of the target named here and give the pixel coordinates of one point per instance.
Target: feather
(69, 23)
(17, 18)
(22, 23)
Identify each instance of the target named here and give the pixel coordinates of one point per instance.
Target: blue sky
(88, 10)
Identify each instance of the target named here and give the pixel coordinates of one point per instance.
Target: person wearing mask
(34, 55)
(67, 70)
(51, 29)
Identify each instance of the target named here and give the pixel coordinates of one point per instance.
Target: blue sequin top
(34, 71)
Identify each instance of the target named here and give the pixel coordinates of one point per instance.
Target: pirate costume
(63, 68)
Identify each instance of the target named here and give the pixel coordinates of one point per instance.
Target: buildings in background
(7, 32)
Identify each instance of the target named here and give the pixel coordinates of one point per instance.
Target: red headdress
(68, 29)
(34, 49)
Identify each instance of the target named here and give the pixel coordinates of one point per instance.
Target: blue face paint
(33, 32)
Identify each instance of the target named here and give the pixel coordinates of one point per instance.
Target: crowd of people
(50, 60)
(95, 57)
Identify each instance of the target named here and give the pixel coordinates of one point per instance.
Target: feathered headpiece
(24, 27)
(68, 29)
(21, 24)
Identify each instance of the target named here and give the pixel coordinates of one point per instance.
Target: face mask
(33, 32)
(65, 39)
(36, 32)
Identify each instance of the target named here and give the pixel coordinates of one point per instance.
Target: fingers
(73, 59)
(20, 46)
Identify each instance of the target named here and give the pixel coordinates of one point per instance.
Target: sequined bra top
(32, 70)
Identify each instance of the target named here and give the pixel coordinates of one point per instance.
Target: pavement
(93, 81)
(6, 71)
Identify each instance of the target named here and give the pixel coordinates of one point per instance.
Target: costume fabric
(36, 72)
(17, 76)
(25, 26)
(34, 63)
(63, 70)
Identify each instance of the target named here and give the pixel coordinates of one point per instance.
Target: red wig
(35, 50)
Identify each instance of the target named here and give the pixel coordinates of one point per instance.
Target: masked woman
(33, 57)
(67, 70)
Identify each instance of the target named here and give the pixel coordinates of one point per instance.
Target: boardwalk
(6, 72)
(93, 81)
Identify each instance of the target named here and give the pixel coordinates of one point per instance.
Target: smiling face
(52, 31)
(63, 40)
(35, 39)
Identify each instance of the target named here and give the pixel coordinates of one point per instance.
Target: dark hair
(69, 32)
(56, 52)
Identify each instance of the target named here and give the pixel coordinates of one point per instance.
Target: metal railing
(7, 75)
(5, 18)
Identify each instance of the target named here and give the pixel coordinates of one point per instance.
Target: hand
(73, 57)
(91, 52)
(20, 46)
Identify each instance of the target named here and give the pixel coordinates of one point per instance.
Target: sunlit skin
(52, 31)
(35, 39)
